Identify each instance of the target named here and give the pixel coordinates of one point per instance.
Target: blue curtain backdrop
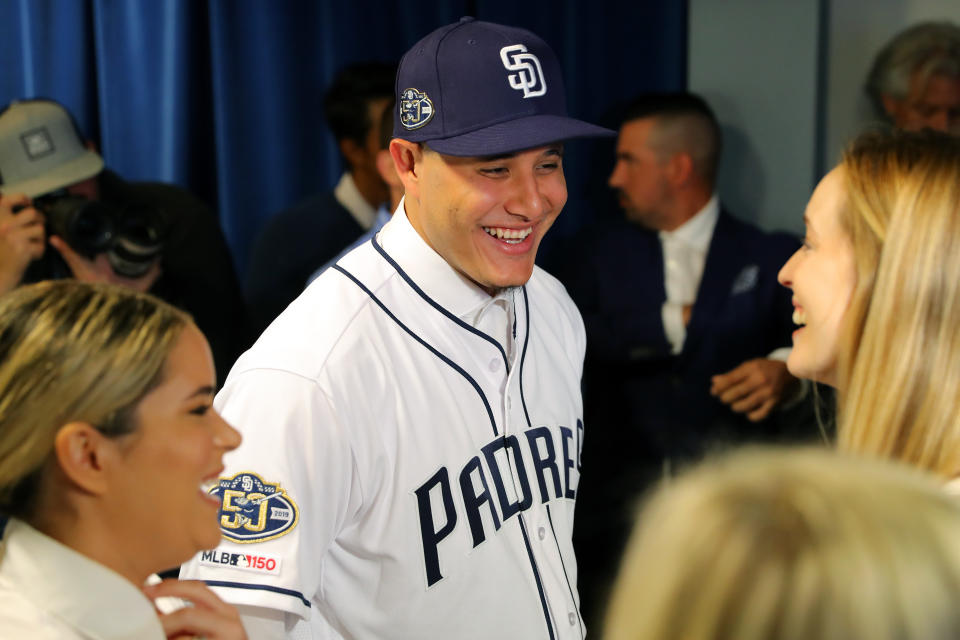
(224, 96)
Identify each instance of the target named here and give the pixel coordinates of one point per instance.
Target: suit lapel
(653, 268)
(723, 264)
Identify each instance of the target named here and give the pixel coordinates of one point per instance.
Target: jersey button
(572, 617)
(509, 403)
(494, 365)
(541, 533)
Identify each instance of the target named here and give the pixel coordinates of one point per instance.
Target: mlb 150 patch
(242, 561)
(252, 510)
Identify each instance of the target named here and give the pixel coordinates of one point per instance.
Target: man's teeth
(511, 236)
(209, 485)
(799, 317)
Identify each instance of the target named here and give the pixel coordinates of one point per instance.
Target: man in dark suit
(685, 324)
(296, 242)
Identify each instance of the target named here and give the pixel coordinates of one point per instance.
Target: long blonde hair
(72, 352)
(899, 366)
(797, 544)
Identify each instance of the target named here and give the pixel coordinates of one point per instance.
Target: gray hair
(927, 48)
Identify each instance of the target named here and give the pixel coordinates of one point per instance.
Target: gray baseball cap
(40, 149)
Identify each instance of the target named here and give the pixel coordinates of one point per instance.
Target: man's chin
(640, 219)
(505, 281)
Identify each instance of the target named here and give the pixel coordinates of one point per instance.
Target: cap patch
(416, 109)
(252, 510)
(37, 143)
(529, 77)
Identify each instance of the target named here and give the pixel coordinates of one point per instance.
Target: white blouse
(49, 591)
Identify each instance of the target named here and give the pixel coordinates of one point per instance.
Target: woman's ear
(83, 455)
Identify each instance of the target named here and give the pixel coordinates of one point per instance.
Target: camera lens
(86, 226)
(140, 231)
(91, 229)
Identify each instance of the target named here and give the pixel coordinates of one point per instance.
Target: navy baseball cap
(477, 88)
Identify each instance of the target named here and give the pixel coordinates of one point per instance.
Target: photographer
(21, 239)
(99, 227)
(97, 241)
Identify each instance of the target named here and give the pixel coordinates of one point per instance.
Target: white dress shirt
(349, 196)
(684, 255)
(48, 590)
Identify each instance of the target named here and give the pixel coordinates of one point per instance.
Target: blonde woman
(792, 545)
(876, 290)
(107, 441)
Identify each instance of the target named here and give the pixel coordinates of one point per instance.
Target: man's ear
(386, 169)
(407, 162)
(680, 169)
(83, 454)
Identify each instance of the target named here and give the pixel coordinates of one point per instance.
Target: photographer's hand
(21, 238)
(99, 269)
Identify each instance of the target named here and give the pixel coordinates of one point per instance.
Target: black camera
(131, 236)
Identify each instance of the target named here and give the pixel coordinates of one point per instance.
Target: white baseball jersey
(400, 475)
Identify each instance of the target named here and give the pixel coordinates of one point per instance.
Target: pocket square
(745, 280)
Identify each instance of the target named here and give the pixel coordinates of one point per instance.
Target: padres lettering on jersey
(427, 472)
(501, 459)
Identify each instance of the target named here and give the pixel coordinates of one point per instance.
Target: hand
(99, 269)
(209, 617)
(21, 239)
(753, 388)
(686, 312)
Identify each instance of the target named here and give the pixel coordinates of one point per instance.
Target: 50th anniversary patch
(253, 510)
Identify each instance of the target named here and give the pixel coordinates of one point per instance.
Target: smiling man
(413, 422)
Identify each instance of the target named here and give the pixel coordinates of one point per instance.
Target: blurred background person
(108, 444)
(300, 240)
(877, 298)
(914, 82)
(388, 173)
(792, 545)
(144, 235)
(687, 329)
(22, 239)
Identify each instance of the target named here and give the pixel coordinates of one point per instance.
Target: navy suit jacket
(643, 406)
(638, 396)
(293, 245)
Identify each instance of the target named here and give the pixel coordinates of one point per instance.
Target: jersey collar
(448, 287)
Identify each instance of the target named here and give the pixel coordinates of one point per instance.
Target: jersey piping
(430, 347)
(476, 386)
(436, 305)
(258, 587)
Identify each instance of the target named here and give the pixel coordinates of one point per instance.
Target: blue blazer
(639, 397)
(293, 245)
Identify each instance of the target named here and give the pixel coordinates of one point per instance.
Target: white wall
(786, 80)
(755, 62)
(855, 35)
